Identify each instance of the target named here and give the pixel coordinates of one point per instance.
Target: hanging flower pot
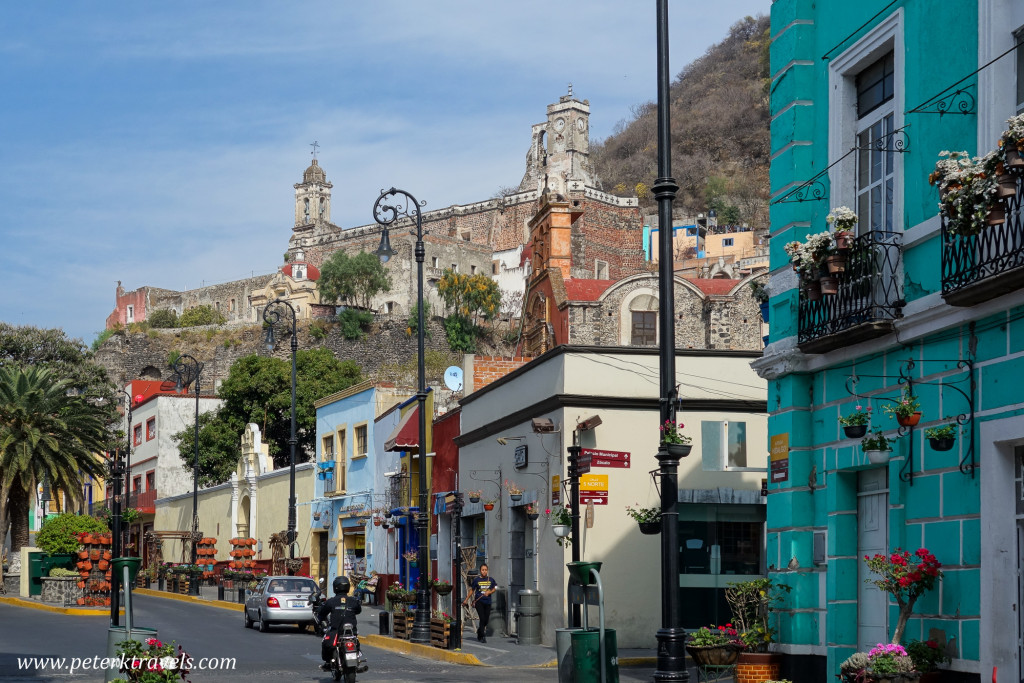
(474, 499)
(561, 530)
(942, 444)
(996, 215)
(376, 522)
(103, 565)
(855, 431)
(107, 555)
(813, 290)
(532, 515)
(836, 263)
(878, 457)
(650, 528)
(83, 554)
(909, 420)
(316, 516)
(679, 450)
(1007, 185)
(94, 555)
(829, 285)
(387, 513)
(488, 506)
(385, 524)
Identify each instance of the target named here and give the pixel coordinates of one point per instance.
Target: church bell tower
(313, 197)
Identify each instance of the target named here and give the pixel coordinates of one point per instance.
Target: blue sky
(157, 143)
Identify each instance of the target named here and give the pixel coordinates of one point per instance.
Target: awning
(406, 436)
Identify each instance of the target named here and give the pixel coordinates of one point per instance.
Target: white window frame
(599, 267)
(355, 440)
(721, 463)
(843, 128)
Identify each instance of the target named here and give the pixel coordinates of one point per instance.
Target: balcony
(145, 502)
(980, 267)
(869, 298)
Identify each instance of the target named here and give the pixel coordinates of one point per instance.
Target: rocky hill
(720, 134)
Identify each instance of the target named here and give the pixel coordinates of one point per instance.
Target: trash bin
(563, 650)
(528, 618)
(385, 623)
(586, 656)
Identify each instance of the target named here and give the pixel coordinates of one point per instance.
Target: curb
(221, 604)
(428, 651)
(72, 611)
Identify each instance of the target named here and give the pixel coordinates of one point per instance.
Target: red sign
(601, 462)
(595, 497)
(605, 455)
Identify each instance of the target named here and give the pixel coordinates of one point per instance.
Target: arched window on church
(643, 313)
(306, 203)
(323, 207)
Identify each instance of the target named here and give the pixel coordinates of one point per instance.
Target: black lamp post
(116, 469)
(127, 466)
(390, 206)
(187, 371)
(271, 316)
(671, 636)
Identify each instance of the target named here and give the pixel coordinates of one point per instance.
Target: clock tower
(559, 156)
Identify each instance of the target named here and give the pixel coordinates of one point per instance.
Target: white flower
(169, 662)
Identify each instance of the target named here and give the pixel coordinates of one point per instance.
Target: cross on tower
(314, 145)
(570, 90)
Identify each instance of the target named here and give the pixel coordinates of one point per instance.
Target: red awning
(406, 436)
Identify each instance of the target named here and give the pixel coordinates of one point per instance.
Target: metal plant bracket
(896, 141)
(964, 418)
(961, 101)
(813, 189)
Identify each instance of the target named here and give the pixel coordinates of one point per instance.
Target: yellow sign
(594, 482)
(556, 491)
(780, 446)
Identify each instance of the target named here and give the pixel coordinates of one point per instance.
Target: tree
(163, 318)
(471, 296)
(352, 280)
(46, 431)
(258, 389)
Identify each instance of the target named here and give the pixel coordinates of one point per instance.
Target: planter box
(59, 589)
(758, 667)
(440, 633)
(402, 625)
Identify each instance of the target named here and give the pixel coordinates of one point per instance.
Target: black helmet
(341, 585)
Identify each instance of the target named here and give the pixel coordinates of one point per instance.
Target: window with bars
(644, 329)
(875, 156)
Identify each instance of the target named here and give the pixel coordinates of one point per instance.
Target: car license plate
(297, 603)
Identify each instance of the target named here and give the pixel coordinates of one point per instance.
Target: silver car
(280, 600)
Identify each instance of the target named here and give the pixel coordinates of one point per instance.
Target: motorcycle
(345, 656)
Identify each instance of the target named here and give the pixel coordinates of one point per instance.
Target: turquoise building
(864, 98)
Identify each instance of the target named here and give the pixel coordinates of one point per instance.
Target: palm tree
(46, 430)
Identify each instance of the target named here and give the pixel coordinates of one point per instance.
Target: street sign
(520, 457)
(556, 491)
(594, 498)
(582, 465)
(599, 458)
(594, 482)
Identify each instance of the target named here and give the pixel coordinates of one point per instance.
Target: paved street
(207, 632)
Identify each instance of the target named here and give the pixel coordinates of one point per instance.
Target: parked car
(280, 600)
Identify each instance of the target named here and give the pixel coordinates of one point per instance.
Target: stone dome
(314, 174)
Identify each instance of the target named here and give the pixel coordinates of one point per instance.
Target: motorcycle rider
(340, 609)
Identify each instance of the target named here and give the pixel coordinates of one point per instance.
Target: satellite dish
(453, 378)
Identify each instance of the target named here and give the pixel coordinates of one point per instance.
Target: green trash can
(586, 656)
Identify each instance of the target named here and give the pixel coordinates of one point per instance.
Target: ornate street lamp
(188, 371)
(116, 468)
(671, 636)
(271, 316)
(390, 206)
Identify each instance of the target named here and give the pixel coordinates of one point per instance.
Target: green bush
(102, 337)
(200, 315)
(58, 533)
(318, 329)
(414, 319)
(163, 318)
(353, 322)
(461, 333)
(62, 572)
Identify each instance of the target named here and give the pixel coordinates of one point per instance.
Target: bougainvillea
(905, 577)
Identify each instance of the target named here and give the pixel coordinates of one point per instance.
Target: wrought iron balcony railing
(869, 298)
(980, 267)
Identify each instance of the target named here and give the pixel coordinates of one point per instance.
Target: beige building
(721, 505)
(253, 503)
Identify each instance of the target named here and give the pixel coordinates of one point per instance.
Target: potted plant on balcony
(842, 220)
(943, 437)
(474, 496)
(877, 447)
(1011, 144)
(855, 425)
(441, 587)
(970, 192)
(906, 409)
(677, 443)
(649, 519)
(488, 505)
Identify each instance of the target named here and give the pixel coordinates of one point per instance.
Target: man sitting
(368, 588)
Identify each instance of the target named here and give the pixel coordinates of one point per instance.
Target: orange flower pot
(102, 565)
(80, 601)
(94, 555)
(83, 554)
(107, 555)
(81, 584)
(488, 506)
(909, 420)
